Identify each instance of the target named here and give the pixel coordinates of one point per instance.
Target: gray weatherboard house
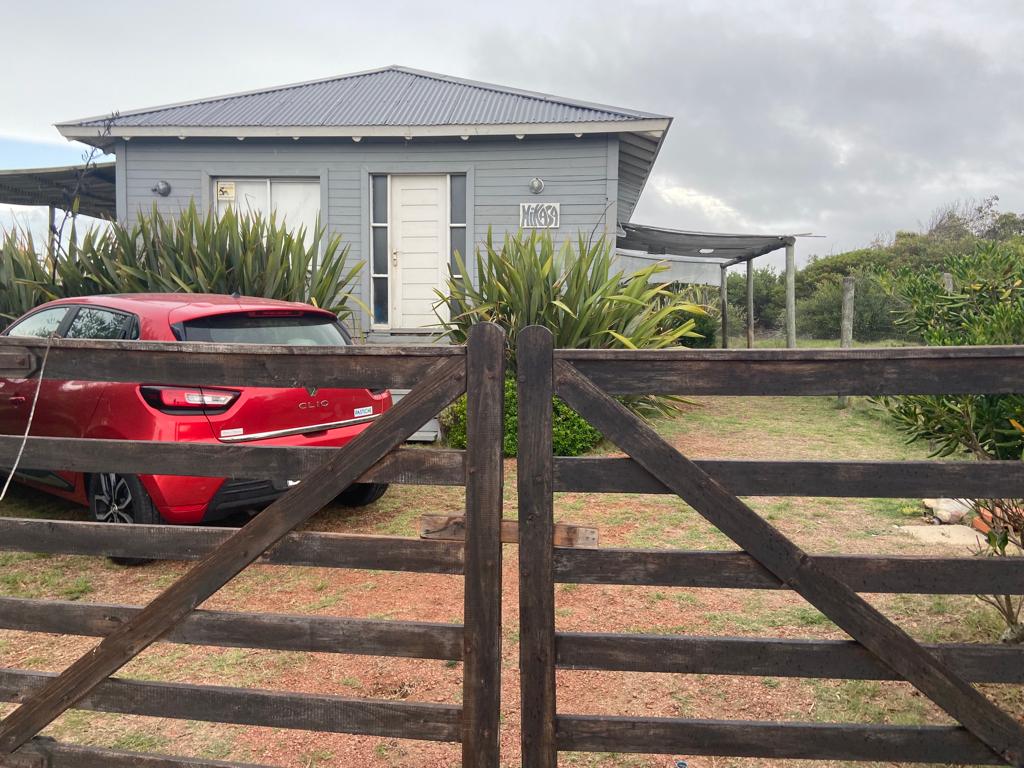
(406, 166)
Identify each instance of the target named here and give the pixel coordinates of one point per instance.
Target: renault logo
(311, 390)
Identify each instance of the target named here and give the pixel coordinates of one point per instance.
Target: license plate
(366, 411)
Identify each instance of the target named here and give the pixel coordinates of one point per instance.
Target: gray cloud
(846, 119)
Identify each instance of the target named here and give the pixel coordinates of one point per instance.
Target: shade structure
(674, 269)
(704, 258)
(714, 247)
(55, 187)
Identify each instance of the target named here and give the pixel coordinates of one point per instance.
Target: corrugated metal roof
(392, 96)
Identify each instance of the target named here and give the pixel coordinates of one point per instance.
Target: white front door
(419, 247)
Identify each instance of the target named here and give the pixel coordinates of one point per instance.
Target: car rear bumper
(239, 495)
(194, 500)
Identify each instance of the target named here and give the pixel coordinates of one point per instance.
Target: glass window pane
(41, 324)
(312, 330)
(380, 300)
(458, 245)
(97, 324)
(380, 199)
(458, 201)
(297, 204)
(245, 196)
(380, 250)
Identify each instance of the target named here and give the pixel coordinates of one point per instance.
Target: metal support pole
(791, 295)
(846, 323)
(750, 303)
(724, 291)
(52, 219)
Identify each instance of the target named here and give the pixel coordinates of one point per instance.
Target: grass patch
(139, 741)
(867, 701)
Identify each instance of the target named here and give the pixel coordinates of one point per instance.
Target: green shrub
(769, 298)
(819, 314)
(986, 306)
(705, 326)
(24, 278)
(575, 293)
(571, 434)
(189, 253)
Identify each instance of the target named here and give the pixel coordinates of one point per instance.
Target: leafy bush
(705, 330)
(986, 306)
(24, 278)
(190, 253)
(575, 293)
(873, 318)
(571, 434)
(769, 298)
(705, 322)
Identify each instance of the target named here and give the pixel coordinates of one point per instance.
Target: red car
(261, 416)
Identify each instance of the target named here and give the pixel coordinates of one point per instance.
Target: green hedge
(190, 252)
(572, 435)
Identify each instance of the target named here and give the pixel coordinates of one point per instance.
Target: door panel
(419, 234)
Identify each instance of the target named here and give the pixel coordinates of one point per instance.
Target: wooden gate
(437, 375)
(588, 380)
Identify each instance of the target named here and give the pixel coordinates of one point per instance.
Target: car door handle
(18, 400)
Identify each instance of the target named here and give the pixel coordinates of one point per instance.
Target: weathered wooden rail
(471, 546)
(436, 376)
(587, 380)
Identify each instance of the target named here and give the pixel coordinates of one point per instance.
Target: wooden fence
(437, 375)
(589, 380)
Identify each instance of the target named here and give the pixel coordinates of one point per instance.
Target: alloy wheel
(113, 500)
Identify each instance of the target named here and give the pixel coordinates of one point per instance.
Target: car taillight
(189, 398)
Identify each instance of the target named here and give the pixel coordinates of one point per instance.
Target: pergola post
(724, 292)
(52, 219)
(750, 303)
(791, 294)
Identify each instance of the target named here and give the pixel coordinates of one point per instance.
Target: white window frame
(452, 225)
(387, 253)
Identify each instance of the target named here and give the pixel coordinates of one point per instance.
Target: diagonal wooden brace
(890, 644)
(442, 383)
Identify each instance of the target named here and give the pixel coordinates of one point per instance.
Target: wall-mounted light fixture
(536, 185)
(162, 188)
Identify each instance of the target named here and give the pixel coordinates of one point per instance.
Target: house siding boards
(577, 173)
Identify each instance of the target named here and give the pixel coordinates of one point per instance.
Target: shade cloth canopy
(55, 187)
(690, 257)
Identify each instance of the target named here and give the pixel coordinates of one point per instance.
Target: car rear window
(257, 328)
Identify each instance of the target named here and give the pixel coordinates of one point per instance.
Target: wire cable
(31, 416)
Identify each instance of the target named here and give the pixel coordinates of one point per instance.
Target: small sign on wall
(539, 215)
(226, 191)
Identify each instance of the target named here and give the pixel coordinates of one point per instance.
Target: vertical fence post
(846, 322)
(723, 293)
(750, 303)
(791, 293)
(481, 693)
(535, 470)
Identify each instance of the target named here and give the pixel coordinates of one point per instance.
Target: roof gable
(389, 97)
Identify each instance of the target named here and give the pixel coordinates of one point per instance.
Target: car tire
(361, 494)
(116, 498)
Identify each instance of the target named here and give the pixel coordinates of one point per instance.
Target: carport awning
(54, 187)
(690, 257)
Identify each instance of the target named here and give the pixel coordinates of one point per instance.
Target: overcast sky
(849, 120)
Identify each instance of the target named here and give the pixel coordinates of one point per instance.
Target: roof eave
(654, 158)
(94, 135)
